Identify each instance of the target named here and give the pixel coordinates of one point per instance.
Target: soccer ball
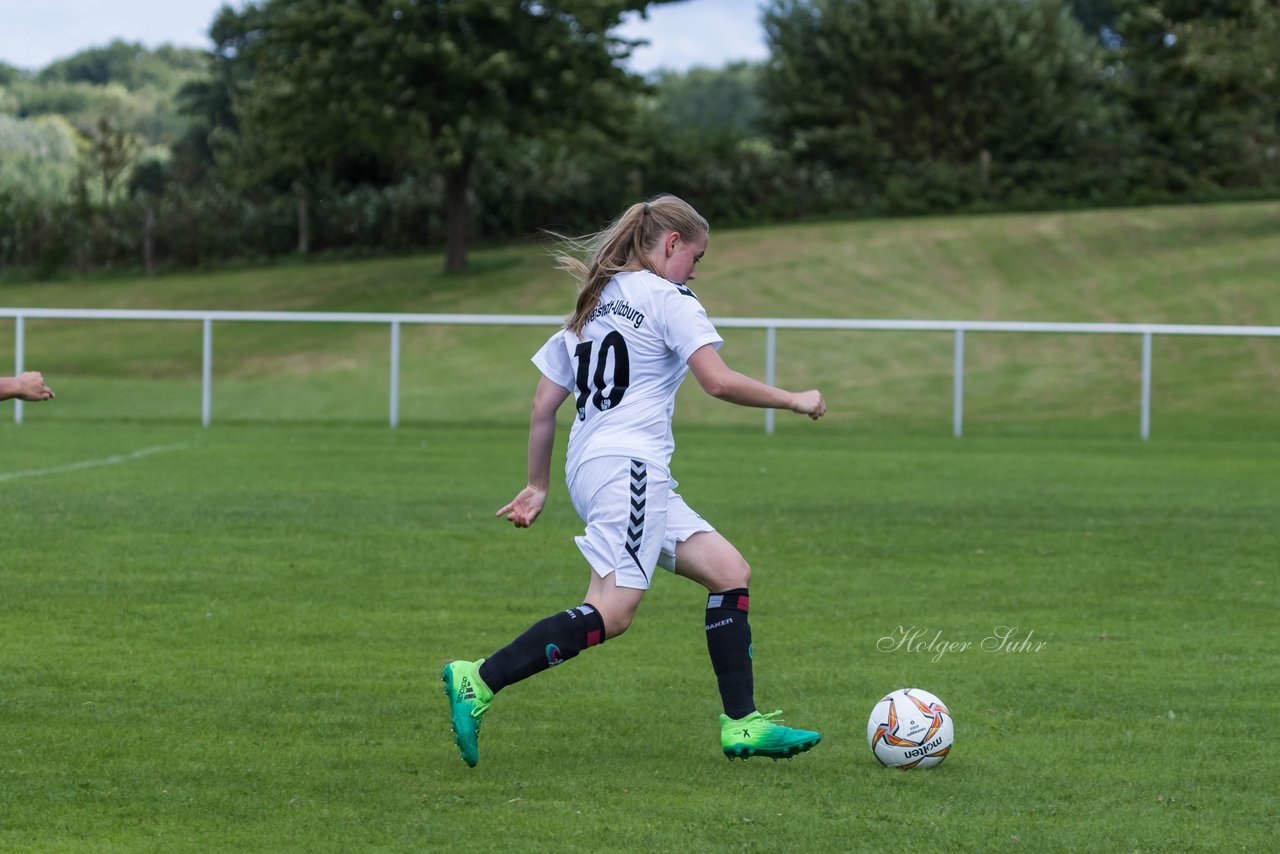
(910, 728)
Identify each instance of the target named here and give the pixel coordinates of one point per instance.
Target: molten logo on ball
(910, 728)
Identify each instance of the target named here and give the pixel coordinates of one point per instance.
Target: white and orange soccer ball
(910, 728)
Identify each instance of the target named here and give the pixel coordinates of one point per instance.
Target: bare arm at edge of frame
(524, 509)
(28, 386)
(724, 383)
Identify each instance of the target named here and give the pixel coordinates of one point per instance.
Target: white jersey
(625, 368)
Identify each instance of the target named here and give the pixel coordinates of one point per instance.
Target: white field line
(88, 464)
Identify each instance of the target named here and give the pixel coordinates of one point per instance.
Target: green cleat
(469, 698)
(759, 735)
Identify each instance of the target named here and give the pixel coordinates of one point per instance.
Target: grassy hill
(1210, 264)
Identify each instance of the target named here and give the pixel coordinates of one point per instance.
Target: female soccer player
(636, 331)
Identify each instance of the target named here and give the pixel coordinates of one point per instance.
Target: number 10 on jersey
(599, 380)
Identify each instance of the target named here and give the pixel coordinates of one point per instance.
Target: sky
(33, 33)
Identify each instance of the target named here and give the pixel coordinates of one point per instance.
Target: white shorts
(634, 518)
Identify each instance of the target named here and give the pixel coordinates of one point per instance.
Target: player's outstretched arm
(722, 382)
(524, 509)
(25, 386)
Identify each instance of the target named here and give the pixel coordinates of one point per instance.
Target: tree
(9, 75)
(392, 86)
(1201, 82)
(871, 88)
(132, 84)
(209, 101)
(147, 182)
(111, 154)
(37, 156)
(711, 100)
(711, 122)
(133, 66)
(1100, 18)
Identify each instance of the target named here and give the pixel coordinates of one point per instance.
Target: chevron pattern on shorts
(635, 525)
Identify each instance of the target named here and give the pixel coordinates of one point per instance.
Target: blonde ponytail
(624, 245)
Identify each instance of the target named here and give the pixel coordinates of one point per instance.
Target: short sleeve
(686, 324)
(553, 360)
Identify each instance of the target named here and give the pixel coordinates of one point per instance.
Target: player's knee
(725, 575)
(616, 622)
(713, 562)
(731, 571)
(615, 612)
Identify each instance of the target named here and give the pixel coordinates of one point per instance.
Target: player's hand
(810, 403)
(31, 387)
(525, 508)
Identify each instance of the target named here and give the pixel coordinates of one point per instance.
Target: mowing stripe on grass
(88, 464)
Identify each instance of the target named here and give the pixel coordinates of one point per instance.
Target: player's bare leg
(617, 605)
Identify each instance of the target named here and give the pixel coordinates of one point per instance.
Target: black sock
(729, 642)
(544, 644)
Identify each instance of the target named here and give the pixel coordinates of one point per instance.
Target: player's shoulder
(654, 285)
(557, 337)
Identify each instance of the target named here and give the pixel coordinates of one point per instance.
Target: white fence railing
(959, 328)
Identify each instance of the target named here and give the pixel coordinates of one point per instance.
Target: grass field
(229, 639)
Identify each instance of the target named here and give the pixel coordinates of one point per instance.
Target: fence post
(1145, 429)
(19, 350)
(957, 405)
(206, 375)
(395, 373)
(770, 370)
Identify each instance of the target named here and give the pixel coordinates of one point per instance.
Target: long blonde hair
(624, 245)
